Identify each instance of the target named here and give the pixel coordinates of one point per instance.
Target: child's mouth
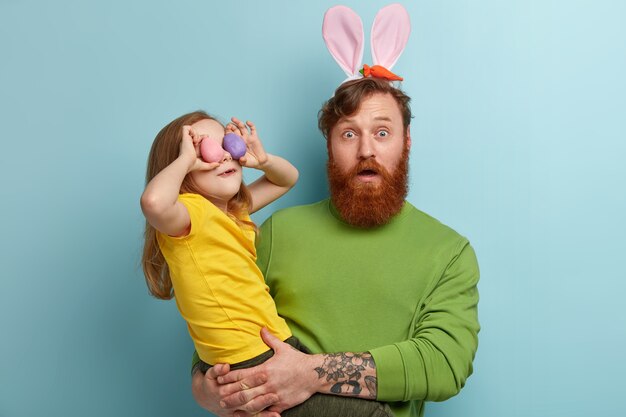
(227, 173)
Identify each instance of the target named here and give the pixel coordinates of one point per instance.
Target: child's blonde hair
(165, 149)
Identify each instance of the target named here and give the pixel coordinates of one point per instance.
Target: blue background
(518, 143)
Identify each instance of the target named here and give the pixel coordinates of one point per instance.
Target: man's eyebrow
(377, 118)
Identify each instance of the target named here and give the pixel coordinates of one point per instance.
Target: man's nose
(366, 148)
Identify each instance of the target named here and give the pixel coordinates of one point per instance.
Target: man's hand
(207, 393)
(288, 377)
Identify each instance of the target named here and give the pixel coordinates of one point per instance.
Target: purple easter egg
(211, 151)
(235, 145)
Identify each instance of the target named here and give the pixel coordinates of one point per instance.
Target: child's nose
(227, 157)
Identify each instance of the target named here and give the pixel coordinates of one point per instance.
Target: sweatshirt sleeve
(434, 364)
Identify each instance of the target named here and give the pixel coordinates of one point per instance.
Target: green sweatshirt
(406, 292)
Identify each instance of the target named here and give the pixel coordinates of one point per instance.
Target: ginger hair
(349, 96)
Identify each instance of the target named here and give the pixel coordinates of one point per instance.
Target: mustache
(368, 165)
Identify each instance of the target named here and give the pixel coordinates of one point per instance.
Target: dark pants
(319, 405)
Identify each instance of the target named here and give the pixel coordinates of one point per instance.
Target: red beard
(368, 204)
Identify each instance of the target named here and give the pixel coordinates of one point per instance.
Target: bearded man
(387, 288)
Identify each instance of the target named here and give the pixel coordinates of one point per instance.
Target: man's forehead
(378, 107)
(372, 115)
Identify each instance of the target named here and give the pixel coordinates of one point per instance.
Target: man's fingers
(217, 370)
(240, 398)
(275, 409)
(248, 383)
(235, 376)
(256, 406)
(264, 413)
(261, 403)
(270, 340)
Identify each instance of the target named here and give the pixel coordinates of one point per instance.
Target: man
(363, 272)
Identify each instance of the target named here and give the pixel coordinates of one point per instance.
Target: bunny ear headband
(343, 34)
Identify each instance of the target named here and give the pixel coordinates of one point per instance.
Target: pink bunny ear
(390, 33)
(343, 34)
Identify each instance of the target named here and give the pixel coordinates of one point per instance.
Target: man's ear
(408, 137)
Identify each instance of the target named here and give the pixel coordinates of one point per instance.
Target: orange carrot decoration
(378, 71)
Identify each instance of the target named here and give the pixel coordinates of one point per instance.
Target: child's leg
(320, 405)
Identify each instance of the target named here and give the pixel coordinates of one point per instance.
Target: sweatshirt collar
(397, 217)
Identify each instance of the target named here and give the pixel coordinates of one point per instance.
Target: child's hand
(255, 156)
(190, 151)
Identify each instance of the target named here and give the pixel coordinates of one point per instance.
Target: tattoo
(345, 370)
(372, 385)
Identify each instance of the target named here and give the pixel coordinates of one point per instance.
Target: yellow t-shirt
(218, 287)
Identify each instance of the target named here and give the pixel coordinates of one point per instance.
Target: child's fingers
(252, 127)
(242, 127)
(234, 129)
(207, 166)
(188, 132)
(197, 139)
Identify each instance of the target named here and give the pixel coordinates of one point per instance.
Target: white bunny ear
(343, 34)
(390, 33)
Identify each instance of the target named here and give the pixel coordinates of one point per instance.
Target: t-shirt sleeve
(434, 364)
(198, 211)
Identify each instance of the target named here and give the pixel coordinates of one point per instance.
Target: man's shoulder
(296, 219)
(430, 226)
(303, 211)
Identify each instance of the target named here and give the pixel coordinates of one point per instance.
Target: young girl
(198, 222)
(200, 245)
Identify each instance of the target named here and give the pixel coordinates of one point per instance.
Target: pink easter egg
(211, 151)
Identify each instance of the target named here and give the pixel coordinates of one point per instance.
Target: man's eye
(383, 133)
(349, 135)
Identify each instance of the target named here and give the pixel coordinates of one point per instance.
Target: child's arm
(159, 201)
(279, 176)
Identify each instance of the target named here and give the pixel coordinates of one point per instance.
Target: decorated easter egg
(235, 145)
(211, 151)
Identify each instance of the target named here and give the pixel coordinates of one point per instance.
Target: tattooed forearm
(372, 385)
(350, 374)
